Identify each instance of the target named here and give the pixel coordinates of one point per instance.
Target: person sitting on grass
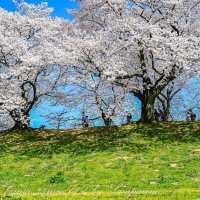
(42, 127)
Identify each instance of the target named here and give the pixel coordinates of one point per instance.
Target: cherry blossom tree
(187, 98)
(142, 45)
(111, 48)
(100, 99)
(31, 54)
(33, 10)
(167, 97)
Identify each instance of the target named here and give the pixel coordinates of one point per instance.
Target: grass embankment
(143, 162)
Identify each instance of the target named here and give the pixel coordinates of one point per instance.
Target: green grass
(143, 162)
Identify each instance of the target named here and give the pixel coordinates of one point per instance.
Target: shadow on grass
(92, 140)
(171, 131)
(34, 143)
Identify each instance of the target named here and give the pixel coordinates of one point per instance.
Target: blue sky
(60, 6)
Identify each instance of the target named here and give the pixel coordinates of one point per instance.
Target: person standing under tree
(189, 115)
(85, 120)
(193, 116)
(110, 121)
(129, 118)
(87, 123)
(157, 115)
(162, 116)
(107, 120)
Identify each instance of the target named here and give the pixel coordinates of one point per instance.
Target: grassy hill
(140, 162)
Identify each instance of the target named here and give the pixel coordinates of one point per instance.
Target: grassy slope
(159, 161)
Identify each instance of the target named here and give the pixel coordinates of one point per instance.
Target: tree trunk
(147, 111)
(166, 111)
(165, 105)
(19, 124)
